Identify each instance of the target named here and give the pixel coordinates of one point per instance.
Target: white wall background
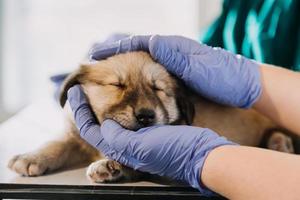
(45, 37)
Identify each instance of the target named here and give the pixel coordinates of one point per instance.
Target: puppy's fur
(136, 92)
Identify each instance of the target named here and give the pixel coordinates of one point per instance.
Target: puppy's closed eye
(114, 84)
(158, 85)
(162, 87)
(155, 87)
(118, 85)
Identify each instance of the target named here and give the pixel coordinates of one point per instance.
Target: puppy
(137, 92)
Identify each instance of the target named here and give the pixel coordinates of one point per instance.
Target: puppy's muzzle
(145, 117)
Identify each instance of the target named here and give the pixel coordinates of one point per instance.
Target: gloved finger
(111, 39)
(84, 119)
(176, 52)
(170, 53)
(132, 43)
(117, 137)
(115, 37)
(76, 97)
(122, 142)
(178, 43)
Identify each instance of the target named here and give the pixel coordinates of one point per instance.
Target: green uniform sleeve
(265, 30)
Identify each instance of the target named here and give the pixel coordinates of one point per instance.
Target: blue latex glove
(214, 73)
(110, 39)
(178, 152)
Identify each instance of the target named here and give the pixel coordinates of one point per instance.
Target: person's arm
(280, 98)
(238, 172)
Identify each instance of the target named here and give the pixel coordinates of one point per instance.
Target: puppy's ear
(71, 80)
(185, 104)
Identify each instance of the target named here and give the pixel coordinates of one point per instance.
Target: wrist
(196, 164)
(252, 90)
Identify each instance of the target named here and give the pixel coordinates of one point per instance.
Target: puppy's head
(133, 90)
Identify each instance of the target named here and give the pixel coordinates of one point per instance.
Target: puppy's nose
(145, 117)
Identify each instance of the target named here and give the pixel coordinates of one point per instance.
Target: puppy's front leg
(54, 155)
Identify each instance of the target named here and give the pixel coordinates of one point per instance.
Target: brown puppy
(137, 92)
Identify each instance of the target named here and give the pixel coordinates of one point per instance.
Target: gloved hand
(178, 152)
(214, 73)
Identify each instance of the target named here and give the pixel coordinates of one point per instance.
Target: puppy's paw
(104, 171)
(281, 142)
(28, 164)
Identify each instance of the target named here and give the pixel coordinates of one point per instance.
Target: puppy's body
(245, 127)
(137, 92)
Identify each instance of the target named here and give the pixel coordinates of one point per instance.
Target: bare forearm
(238, 172)
(280, 98)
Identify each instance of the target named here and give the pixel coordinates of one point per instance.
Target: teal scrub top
(265, 30)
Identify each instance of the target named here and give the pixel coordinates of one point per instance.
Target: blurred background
(39, 39)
